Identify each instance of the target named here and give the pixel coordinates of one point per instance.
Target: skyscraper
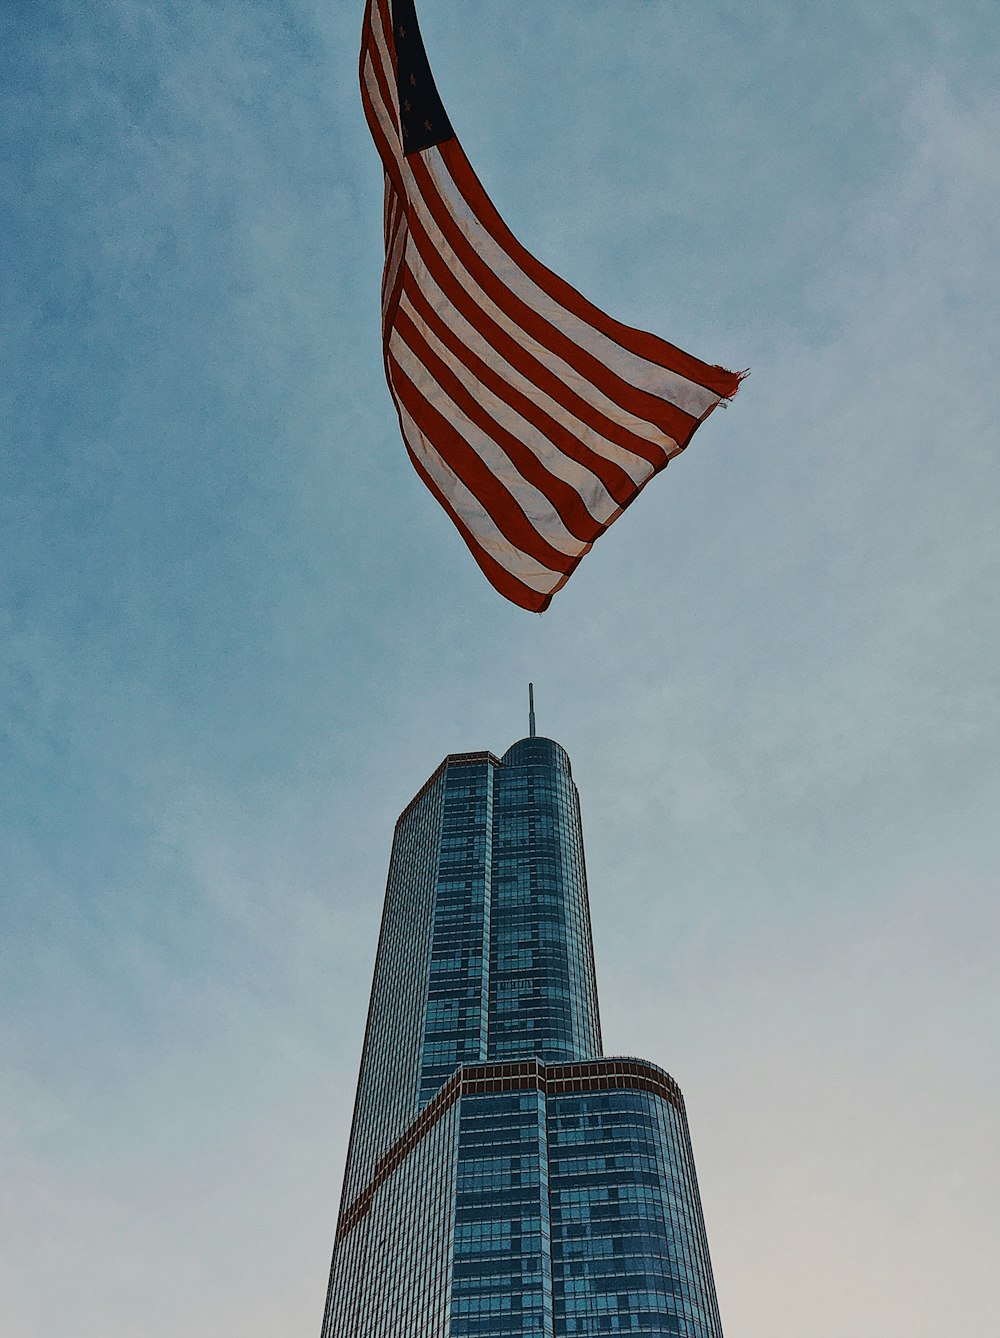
(503, 1178)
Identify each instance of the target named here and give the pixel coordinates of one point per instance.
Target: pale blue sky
(238, 634)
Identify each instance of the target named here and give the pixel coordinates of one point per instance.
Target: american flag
(533, 417)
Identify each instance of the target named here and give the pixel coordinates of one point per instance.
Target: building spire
(531, 710)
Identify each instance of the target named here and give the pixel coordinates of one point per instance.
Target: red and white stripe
(532, 416)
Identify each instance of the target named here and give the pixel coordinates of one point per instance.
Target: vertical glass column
(628, 1242)
(455, 1024)
(390, 1060)
(501, 1274)
(543, 994)
(389, 1280)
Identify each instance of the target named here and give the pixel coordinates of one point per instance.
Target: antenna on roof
(531, 710)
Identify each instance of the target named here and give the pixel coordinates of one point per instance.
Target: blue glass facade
(542, 985)
(503, 1178)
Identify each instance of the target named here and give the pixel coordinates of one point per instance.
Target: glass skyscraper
(503, 1178)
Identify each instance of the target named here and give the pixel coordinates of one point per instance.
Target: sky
(238, 634)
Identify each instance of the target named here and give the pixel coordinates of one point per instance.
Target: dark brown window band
(596, 1075)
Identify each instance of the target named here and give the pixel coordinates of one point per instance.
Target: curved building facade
(504, 1179)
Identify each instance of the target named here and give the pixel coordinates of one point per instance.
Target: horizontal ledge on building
(592, 1075)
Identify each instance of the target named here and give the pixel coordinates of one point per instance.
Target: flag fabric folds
(532, 416)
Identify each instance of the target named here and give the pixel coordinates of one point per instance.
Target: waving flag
(533, 417)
